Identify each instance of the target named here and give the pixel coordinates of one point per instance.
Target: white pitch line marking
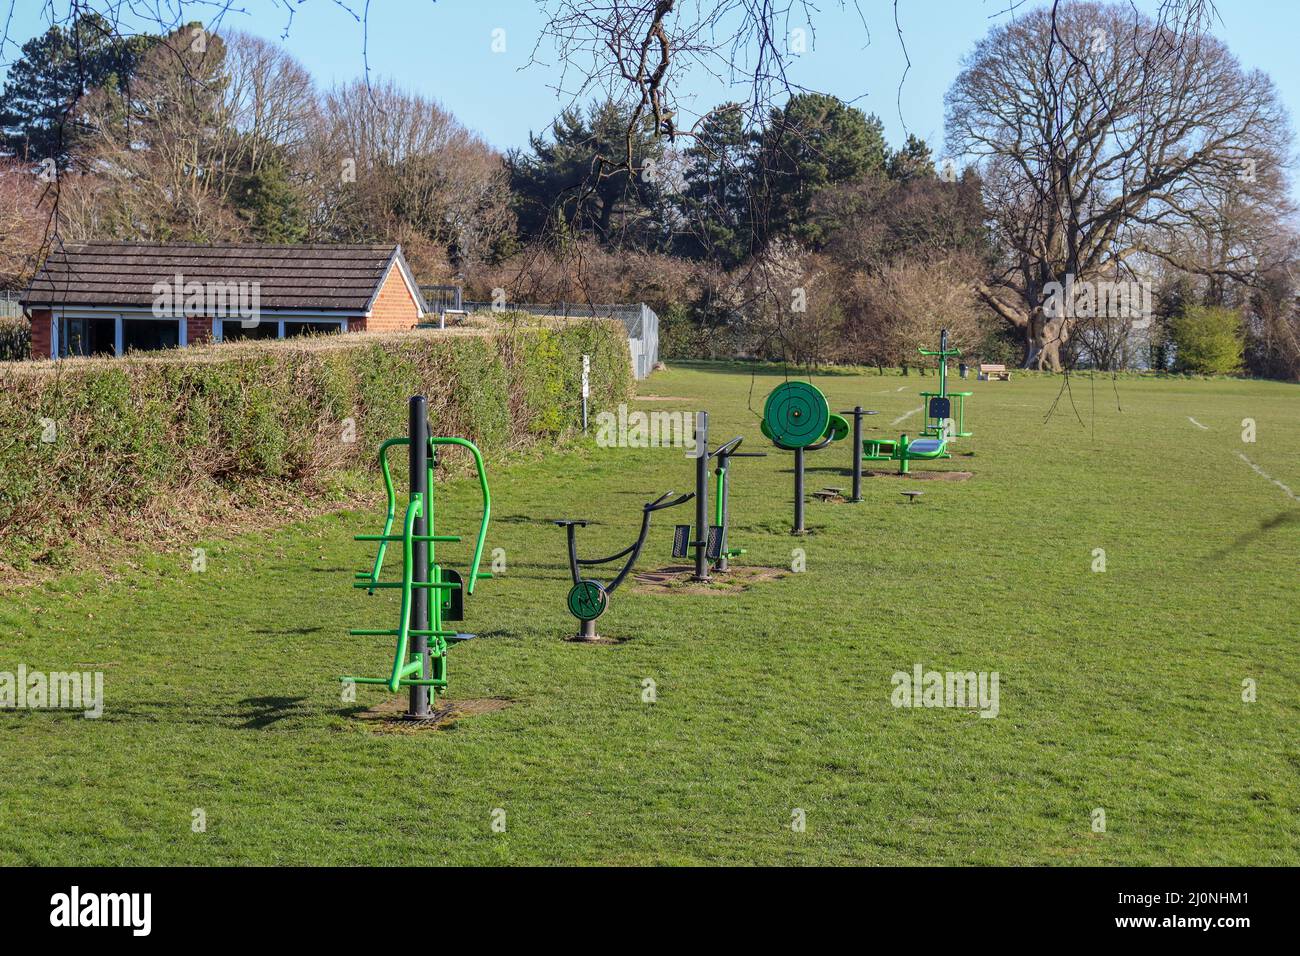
(1198, 424)
(1263, 474)
(905, 417)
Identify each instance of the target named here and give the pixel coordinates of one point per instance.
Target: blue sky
(444, 48)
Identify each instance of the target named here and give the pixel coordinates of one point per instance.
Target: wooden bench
(990, 372)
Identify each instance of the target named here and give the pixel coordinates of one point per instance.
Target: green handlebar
(391, 511)
(400, 666)
(487, 503)
(408, 670)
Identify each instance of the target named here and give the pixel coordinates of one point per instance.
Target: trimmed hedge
(101, 450)
(15, 339)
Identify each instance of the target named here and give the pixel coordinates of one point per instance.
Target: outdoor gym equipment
(904, 450)
(420, 660)
(797, 418)
(710, 541)
(941, 425)
(589, 598)
(940, 405)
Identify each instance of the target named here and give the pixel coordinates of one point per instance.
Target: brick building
(107, 298)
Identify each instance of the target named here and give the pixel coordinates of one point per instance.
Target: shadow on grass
(1279, 520)
(251, 713)
(261, 712)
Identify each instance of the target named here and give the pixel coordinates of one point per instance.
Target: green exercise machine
(797, 417)
(945, 421)
(708, 543)
(945, 411)
(432, 595)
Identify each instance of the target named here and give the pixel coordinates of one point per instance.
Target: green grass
(1119, 690)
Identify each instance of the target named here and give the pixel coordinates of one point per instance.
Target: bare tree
(391, 160)
(269, 97)
(163, 150)
(22, 223)
(905, 304)
(1104, 135)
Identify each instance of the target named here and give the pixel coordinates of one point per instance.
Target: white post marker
(586, 389)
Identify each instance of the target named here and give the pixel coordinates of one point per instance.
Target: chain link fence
(9, 308)
(641, 321)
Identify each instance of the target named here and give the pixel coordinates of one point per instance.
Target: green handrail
(390, 513)
(401, 667)
(408, 673)
(487, 503)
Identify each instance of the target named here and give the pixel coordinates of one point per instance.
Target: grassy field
(1119, 691)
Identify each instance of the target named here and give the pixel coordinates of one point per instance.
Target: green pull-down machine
(420, 659)
(945, 421)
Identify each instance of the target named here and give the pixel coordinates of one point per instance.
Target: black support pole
(857, 453)
(701, 496)
(798, 491)
(418, 430)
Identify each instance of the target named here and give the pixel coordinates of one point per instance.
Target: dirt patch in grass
(830, 496)
(599, 640)
(389, 716)
(676, 579)
(923, 475)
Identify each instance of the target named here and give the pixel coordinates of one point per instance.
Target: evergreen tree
(812, 142)
(54, 71)
(715, 202)
(271, 203)
(913, 161)
(574, 177)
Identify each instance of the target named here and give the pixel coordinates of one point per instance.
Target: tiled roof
(328, 278)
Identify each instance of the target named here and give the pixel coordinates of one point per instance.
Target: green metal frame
(934, 427)
(719, 516)
(404, 663)
(901, 451)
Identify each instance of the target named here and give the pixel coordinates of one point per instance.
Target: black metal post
(418, 431)
(587, 632)
(857, 453)
(798, 491)
(701, 496)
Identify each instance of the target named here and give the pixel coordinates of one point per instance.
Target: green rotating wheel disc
(796, 414)
(588, 600)
(838, 428)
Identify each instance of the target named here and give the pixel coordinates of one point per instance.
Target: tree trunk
(1045, 339)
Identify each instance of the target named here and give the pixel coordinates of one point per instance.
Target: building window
(292, 329)
(146, 335)
(87, 336)
(234, 329)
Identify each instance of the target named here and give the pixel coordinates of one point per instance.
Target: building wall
(198, 330)
(394, 309)
(41, 333)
